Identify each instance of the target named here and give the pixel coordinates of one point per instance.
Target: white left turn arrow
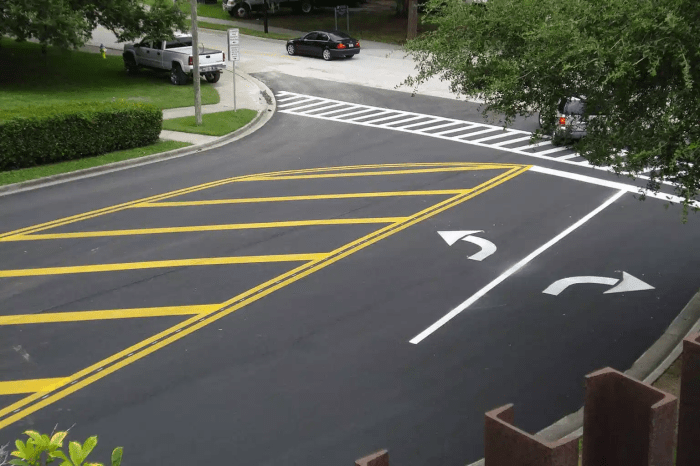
(487, 247)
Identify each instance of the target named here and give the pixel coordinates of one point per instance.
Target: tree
(636, 63)
(69, 23)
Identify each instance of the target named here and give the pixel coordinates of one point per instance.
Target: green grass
(213, 124)
(70, 76)
(380, 26)
(246, 31)
(26, 174)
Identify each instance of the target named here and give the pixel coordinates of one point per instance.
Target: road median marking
(312, 197)
(160, 264)
(97, 371)
(110, 314)
(202, 228)
(19, 387)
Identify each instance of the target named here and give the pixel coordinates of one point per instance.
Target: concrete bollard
(506, 445)
(689, 409)
(627, 422)
(380, 458)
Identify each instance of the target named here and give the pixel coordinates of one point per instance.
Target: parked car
(242, 8)
(326, 44)
(568, 123)
(174, 55)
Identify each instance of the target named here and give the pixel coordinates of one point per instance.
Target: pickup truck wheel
(242, 10)
(130, 65)
(177, 76)
(306, 7)
(212, 77)
(327, 55)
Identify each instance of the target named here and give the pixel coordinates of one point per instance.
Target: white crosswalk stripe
(464, 132)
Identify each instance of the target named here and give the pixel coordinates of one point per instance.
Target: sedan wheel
(290, 49)
(327, 55)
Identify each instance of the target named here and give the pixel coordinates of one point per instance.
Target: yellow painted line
(17, 387)
(159, 264)
(234, 226)
(377, 173)
(23, 319)
(212, 184)
(281, 281)
(313, 197)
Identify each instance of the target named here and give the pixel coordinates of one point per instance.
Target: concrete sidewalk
(248, 95)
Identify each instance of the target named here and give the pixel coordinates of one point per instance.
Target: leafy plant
(40, 450)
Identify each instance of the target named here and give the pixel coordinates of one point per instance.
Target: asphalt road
(219, 315)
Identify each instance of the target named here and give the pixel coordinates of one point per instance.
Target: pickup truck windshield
(179, 42)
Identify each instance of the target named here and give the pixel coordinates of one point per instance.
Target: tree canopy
(636, 62)
(69, 23)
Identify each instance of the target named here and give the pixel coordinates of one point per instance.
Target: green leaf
(17, 462)
(33, 435)
(75, 452)
(117, 456)
(88, 446)
(21, 449)
(57, 438)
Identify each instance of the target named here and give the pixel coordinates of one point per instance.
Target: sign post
(341, 10)
(234, 56)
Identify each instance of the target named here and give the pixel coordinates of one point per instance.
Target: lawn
(381, 26)
(69, 76)
(213, 124)
(25, 174)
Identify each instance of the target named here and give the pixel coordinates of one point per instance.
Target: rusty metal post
(689, 409)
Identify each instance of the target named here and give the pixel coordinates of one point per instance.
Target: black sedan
(326, 44)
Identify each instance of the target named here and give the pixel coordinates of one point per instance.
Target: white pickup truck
(174, 55)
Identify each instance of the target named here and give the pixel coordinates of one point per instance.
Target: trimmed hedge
(41, 135)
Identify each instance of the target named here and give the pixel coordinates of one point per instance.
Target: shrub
(41, 135)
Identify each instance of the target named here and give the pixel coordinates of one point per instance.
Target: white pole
(234, 85)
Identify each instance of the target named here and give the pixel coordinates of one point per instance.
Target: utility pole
(267, 5)
(195, 63)
(412, 19)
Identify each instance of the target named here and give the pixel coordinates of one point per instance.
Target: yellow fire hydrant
(103, 51)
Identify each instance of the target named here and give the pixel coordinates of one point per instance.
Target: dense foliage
(636, 62)
(69, 23)
(42, 135)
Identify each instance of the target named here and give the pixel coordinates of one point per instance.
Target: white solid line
(556, 149)
(335, 111)
(611, 184)
(472, 126)
(475, 297)
(441, 126)
(298, 102)
(532, 146)
(307, 106)
(317, 109)
(477, 132)
(370, 116)
(489, 138)
(567, 157)
(435, 120)
(510, 141)
(354, 113)
(404, 121)
(398, 115)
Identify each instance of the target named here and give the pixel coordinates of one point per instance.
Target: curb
(647, 368)
(258, 122)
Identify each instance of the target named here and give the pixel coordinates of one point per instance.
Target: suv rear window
(179, 42)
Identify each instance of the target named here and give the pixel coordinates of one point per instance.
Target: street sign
(233, 45)
(487, 247)
(341, 9)
(628, 283)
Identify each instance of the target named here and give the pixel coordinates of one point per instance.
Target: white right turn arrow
(628, 283)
